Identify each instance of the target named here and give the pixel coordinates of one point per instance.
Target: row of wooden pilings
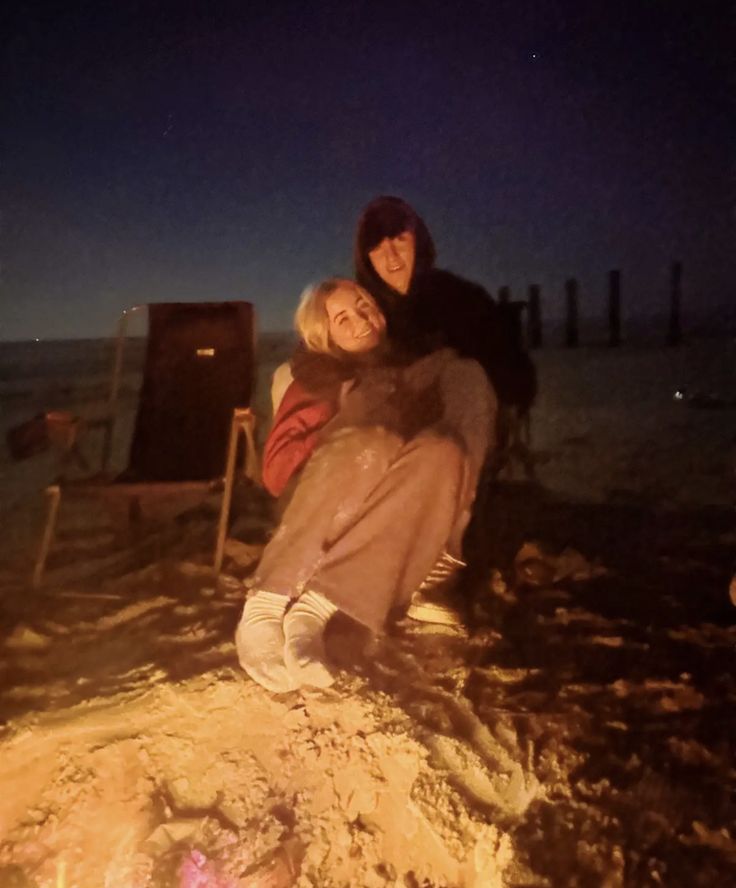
(533, 306)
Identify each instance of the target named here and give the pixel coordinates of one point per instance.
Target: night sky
(155, 152)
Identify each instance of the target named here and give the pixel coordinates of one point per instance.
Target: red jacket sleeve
(293, 435)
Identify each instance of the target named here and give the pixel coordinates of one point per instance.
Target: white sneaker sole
(428, 612)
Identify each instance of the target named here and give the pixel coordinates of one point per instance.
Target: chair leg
(227, 494)
(54, 499)
(251, 463)
(526, 456)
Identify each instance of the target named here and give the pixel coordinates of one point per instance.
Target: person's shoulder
(442, 284)
(445, 278)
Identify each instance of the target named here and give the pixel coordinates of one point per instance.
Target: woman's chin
(369, 344)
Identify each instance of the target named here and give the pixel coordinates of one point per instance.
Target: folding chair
(514, 450)
(194, 405)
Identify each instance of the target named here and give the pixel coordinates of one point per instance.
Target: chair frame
(242, 423)
(516, 445)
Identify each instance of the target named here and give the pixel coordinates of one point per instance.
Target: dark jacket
(442, 309)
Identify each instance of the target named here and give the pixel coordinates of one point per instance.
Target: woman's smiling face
(356, 323)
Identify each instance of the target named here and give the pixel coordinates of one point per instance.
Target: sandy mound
(579, 734)
(214, 776)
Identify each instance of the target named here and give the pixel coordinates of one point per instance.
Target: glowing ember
(198, 872)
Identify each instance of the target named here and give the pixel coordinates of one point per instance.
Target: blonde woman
(384, 496)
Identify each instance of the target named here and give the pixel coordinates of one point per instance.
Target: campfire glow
(198, 872)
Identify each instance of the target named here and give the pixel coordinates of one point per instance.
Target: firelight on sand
(197, 872)
(448, 759)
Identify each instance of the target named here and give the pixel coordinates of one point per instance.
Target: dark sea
(50, 374)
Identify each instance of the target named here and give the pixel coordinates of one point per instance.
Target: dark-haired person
(427, 307)
(392, 453)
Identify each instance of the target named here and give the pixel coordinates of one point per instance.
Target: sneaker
(433, 600)
(425, 610)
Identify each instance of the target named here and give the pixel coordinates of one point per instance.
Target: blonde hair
(311, 320)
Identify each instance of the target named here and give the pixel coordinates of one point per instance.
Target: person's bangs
(386, 219)
(311, 319)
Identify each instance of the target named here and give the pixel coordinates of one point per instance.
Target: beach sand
(579, 733)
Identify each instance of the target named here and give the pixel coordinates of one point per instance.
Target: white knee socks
(260, 641)
(304, 653)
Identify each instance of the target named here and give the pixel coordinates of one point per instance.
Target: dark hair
(385, 217)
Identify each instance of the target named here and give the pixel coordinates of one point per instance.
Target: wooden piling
(614, 308)
(571, 314)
